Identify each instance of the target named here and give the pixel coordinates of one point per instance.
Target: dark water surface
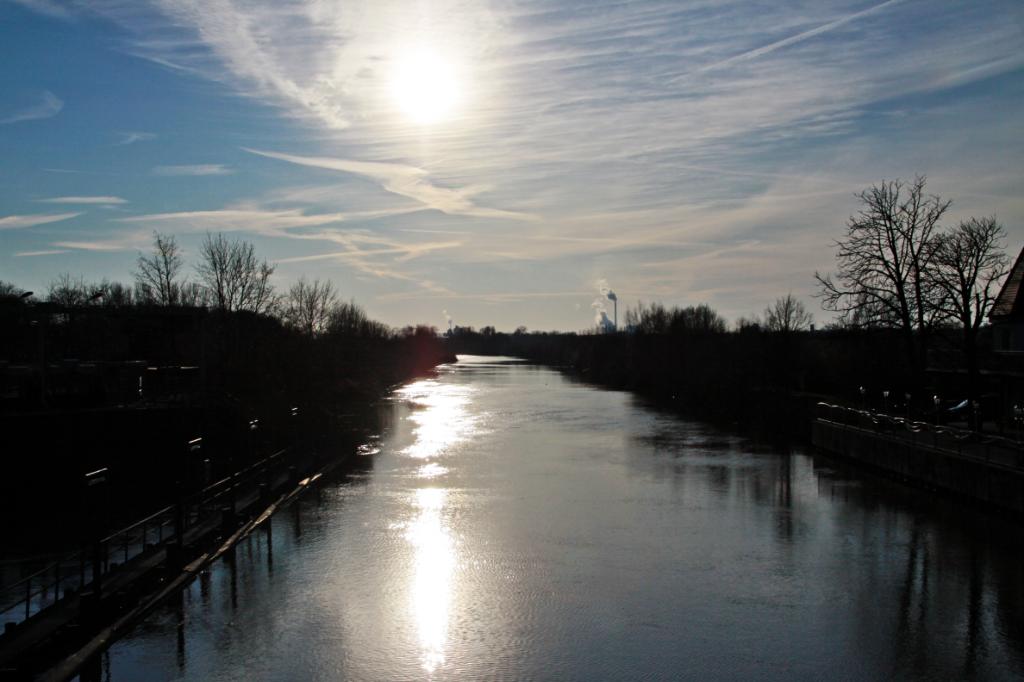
(517, 525)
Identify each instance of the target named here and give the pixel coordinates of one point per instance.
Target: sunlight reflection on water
(431, 587)
(442, 420)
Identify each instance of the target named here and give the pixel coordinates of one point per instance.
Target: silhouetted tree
(701, 319)
(349, 320)
(884, 261)
(969, 263)
(157, 274)
(748, 325)
(308, 305)
(10, 293)
(68, 290)
(116, 294)
(787, 314)
(654, 318)
(232, 276)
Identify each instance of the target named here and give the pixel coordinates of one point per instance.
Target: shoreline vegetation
(123, 377)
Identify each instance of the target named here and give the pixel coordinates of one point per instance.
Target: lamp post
(253, 427)
(193, 449)
(936, 402)
(863, 394)
(295, 427)
(96, 498)
(906, 399)
(885, 401)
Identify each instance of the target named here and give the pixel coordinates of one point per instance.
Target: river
(512, 523)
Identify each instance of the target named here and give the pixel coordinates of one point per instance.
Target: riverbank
(982, 470)
(72, 622)
(144, 444)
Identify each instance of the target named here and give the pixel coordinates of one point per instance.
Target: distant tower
(616, 309)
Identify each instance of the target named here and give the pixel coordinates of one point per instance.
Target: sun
(425, 87)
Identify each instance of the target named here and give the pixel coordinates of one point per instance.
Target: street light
(937, 402)
(885, 401)
(97, 496)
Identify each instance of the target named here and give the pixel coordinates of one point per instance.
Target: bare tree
(157, 274)
(969, 264)
(884, 262)
(68, 290)
(655, 318)
(192, 294)
(787, 314)
(308, 306)
(748, 325)
(349, 320)
(10, 292)
(234, 279)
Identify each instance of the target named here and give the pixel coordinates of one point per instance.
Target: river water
(515, 524)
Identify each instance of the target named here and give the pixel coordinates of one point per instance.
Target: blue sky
(498, 160)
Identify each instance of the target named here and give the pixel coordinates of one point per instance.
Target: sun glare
(425, 87)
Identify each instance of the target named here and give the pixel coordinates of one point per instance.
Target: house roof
(1009, 303)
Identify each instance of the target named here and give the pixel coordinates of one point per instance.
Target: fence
(987, 447)
(46, 586)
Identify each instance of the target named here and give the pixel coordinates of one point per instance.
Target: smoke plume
(600, 312)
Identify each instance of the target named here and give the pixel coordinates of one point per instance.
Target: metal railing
(68, 574)
(988, 447)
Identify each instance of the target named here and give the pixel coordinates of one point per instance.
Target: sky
(498, 162)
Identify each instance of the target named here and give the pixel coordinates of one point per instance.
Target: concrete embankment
(993, 476)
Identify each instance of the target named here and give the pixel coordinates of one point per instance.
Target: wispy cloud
(403, 252)
(100, 200)
(17, 222)
(406, 181)
(131, 137)
(196, 169)
(792, 40)
(271, 223)
(48, 105)
(128, 242)
(36, 254)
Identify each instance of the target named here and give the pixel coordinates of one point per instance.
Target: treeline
(255, 345)
(906, 289)
(757, 375)
(108, 374)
